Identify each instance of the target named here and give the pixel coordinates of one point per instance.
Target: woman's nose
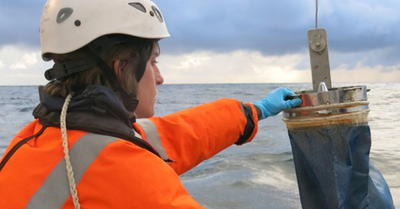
(159, 77)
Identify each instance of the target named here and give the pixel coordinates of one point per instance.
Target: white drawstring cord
(68, 165)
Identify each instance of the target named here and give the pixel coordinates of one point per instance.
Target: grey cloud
(19, 22)
(229, 25)
(270, 27)
(280, 27)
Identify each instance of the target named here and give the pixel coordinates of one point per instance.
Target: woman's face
(147, 87)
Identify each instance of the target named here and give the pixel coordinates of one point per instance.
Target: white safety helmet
(68, 25)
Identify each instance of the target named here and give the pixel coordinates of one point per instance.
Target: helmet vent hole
(63, 14)
(138, 6)
(157, 13)
(77, 23)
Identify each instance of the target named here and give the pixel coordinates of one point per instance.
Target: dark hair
(133, 54)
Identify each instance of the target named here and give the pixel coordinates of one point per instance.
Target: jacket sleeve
(188, 137)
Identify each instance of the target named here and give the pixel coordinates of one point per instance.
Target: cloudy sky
(231, 41)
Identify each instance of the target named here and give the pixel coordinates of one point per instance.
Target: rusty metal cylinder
(343, 105)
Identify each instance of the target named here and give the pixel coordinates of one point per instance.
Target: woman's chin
(145, 114)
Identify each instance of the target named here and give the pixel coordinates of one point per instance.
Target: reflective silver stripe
(55, 189)
(152, 136)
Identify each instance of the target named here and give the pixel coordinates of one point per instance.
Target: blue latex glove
(276, 101)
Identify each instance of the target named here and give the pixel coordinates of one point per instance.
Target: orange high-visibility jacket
(112, 172)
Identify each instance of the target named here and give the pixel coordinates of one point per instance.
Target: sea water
(256, 175)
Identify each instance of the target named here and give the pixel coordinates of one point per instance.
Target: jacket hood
(96, 109)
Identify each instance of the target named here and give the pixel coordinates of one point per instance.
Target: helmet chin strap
(129, 100)
(98, 49)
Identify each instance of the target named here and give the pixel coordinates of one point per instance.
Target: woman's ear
(117, 68)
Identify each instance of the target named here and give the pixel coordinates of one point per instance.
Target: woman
(85, 147)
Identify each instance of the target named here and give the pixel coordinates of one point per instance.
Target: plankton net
(331, 141)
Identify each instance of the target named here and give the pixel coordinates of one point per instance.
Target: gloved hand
(276, 101)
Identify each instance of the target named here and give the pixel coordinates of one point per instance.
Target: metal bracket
(318, 47)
